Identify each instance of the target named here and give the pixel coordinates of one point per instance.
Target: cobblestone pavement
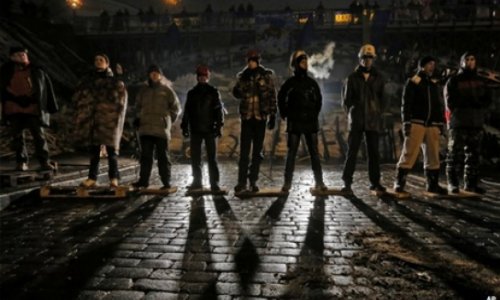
(300, 246)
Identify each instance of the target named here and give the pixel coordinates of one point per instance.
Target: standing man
(422, 116)
(467, 99)
(202, 121)
(299, 101)
(257, 94)
(157, 107)
(27, 99)
(101, 104)
(363, 102)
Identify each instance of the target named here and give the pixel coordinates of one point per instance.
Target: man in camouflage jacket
(467, 100)
(101, 103)
(257, 94)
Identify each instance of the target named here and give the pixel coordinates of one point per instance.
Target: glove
(137, 123)
(406, 129)
(185, 133)
(271, 123)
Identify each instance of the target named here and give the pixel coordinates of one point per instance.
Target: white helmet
(367, 50)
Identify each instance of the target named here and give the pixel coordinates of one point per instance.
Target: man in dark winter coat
(422, 115)
(467, 99)
(157, 107)
(257, 94)
(202, 121)
(101, 103)
(363, 102)
(299, 102)
(27, 100)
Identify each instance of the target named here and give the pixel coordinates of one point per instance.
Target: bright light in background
(321, 64)
(74, 4)
(172, 2)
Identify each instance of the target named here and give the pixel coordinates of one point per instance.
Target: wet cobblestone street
(221, 247)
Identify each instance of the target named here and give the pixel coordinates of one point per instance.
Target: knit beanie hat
(15, 49)
(425, 60)
(155, 68)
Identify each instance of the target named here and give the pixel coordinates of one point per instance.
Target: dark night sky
(96, 6)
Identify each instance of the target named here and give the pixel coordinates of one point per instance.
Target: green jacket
(157, 107)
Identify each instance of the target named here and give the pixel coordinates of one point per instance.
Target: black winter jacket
(43, 92)
(363, 100)
(422, 102)
(203, 111)
(299, 102)
(467, 99)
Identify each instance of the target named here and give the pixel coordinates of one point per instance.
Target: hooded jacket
(467, 99)
(299, 101)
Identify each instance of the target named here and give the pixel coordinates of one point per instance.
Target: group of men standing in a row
(101, 102)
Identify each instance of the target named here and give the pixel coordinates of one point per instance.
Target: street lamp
(74, 4)
(172, 2)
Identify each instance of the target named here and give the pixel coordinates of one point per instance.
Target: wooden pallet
(265, 192)
(205, 191)
(15, 178)
(392, 193)
(462, 195)
(103, 192)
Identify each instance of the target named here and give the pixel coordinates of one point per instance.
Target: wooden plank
(157, 191)
(398, 195)
(84, 193)
(14, 178)
(462, 195)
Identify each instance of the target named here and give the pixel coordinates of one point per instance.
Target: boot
(346, 189)
(470, 185)
(433, 183)
(286, 187)
(195, 185)
(88, 183)
(113, 183)
(47, 166)
(22, 166)
(451, 175)
(240, 187)
(253, 187)
(399, 184)
(378, 188)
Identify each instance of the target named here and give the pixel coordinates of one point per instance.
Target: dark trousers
(148, 145)
(312, 146)
(354, 141)
(18, 124)
(211, 147)
(463, 150)
(95, 151)
(252, 136)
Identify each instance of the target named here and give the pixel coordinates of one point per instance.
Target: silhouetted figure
(356, 9)
(104, 20)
